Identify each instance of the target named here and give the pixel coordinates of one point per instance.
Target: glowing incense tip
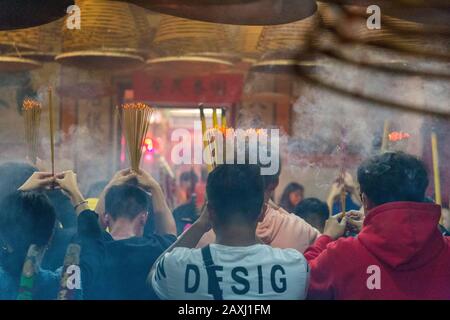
(29, 104)
(398, 135)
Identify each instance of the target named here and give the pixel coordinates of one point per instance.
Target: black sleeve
(93, 250)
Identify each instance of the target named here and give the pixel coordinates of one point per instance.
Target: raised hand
(67, 181)
(335, 228)
(38, 181)
(146, 181)
(122, 177)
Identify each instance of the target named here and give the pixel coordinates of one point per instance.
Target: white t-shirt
(257, 272)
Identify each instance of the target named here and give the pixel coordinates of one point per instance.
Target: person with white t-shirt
(237, 265)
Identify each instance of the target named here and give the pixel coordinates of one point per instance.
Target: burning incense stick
(224, 120)
(343, 194)
(136, 121)
(214, 118)
(52, 129)
(32, 116)
(385, 141)
(205, 136)
(224, 132)
(437, 179)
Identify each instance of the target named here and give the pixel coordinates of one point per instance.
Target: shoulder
(284, 256)
(343, 246)
(290, 219)
(181, 256)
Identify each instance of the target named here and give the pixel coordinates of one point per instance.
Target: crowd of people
(234, 243)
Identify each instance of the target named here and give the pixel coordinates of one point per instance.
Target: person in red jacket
(399, 252)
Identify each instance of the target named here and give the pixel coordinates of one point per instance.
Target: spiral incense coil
(402, 47)
(17, 64)
(48, 42)
(112, 34)
(180, 37)
(191, 47)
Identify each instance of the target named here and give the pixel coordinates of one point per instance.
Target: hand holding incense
(136, 121)
(32, 115)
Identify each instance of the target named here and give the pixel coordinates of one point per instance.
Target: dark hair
(126, 201)
(25, 218)
(13, 175)
(236, 191)
(189, 176)
(393, 176)
(284, 200)
(313, 211)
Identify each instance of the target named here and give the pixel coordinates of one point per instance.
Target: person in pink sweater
(277, 228)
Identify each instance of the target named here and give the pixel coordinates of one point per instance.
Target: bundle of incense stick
(32, 115)
(136, 121)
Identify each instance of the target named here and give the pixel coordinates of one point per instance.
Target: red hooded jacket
(399, 254)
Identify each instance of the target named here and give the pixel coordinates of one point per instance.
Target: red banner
(218, 89)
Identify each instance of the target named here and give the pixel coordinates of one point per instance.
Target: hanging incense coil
(30, 13)
(247, 12)
(430, 12)
(48, 42)
(189, 46)
(178, 37)
(282, 47)
(401, 50)
(111, 35)
(17, 64)
(36, 43)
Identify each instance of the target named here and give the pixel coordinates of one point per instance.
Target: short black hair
(236, 191)
(126, 201)
(313, 211)
(393, 176)
(13, 175)
(189, 176)
(25, 218)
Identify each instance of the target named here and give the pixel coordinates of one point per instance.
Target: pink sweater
(279, 229)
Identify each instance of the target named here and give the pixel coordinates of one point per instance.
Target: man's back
(127, 264)
(117, 269)
(399, 254)
(255, 272)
